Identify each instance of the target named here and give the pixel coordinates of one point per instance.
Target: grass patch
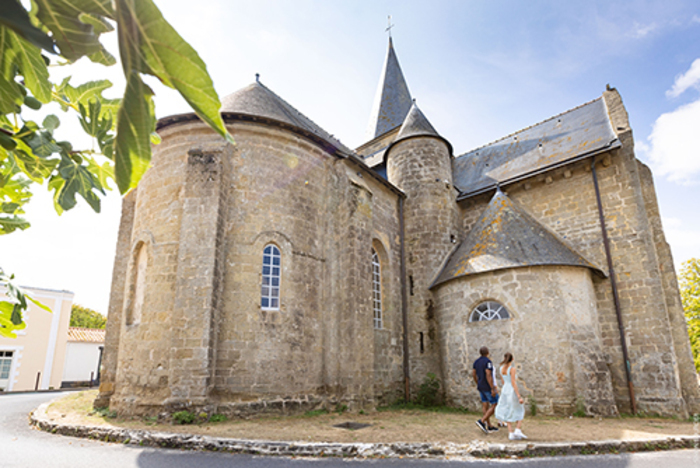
(105, 413)
(218, 418)
(411, 406)
(77, 401)
(398, 422)
(645, 415)
(150, 420)
(315, 413)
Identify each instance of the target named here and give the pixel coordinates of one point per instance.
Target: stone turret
(419, 163)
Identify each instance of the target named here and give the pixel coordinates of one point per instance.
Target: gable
(505, 237)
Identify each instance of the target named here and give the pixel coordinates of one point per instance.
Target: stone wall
(421, 167)
(674, 306)
(108, 371)
(553, 334)
(564, 201)
(277, 196)
(204, 213)
(365, 365)
(170, 340)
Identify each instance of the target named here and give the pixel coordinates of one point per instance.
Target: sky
(479, 70)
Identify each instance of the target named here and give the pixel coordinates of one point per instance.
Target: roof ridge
(531, 126)
(517, 240)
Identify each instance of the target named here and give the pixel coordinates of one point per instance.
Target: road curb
(600, 447)
(474, 449)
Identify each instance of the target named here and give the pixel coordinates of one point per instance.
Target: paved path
(22, 446)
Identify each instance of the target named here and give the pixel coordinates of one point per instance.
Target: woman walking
(510, 405)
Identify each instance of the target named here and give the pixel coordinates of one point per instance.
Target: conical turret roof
(392, 101)
(416, 124)
(256, 100)
(507, 237)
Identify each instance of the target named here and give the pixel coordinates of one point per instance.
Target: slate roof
(256, 100)
(564, 138)
(507, 237)
(86, 335)
(416, 124)
(392, 101)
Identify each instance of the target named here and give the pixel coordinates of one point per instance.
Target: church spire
(392, 101)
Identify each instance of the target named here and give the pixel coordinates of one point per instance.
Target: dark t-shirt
(481, 365)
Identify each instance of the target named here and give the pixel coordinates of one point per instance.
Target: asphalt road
(22, 446)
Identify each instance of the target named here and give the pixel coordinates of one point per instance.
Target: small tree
(58, 33)
(689, 282)
(86, 318)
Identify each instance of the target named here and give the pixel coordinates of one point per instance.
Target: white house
(34, 360)
(83, 356)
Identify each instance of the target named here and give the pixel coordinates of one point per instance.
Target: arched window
(377, 289)
(270, 292)
(138, 286)
(489, 310)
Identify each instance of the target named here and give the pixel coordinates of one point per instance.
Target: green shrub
(106, 413)
(428, 392)
(580, 408)
(215, 418)
(533, 406)
(183, 417)
(341, 408)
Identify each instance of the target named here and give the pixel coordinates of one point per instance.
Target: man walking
(483, 376)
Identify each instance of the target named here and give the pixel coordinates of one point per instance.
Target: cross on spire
(389, 25)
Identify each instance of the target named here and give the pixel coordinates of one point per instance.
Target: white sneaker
(513, 436)
(519, 434)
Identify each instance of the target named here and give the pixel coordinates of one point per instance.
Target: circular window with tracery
(489, 310)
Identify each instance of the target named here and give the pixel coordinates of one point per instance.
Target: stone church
(289, 272)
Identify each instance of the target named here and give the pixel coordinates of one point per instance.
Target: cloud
(674, 149)
(696, 19)
(689, 79)
(642, 30)
(683, 239)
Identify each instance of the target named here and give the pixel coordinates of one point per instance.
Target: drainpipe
(99, 363)
(613, 283)
(404, 305)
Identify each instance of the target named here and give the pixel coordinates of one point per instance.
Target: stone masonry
(187, 328)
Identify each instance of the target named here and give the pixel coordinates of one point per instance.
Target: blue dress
(509, 408)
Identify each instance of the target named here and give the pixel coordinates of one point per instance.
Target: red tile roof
(89, 335)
